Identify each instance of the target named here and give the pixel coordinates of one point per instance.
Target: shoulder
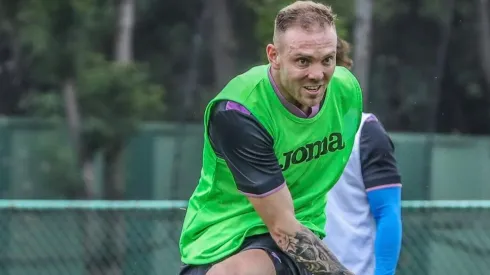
(372, 125)
(346, 88)
(347, 94)
(227, 116)
(378, 162)
(247, 81)
(346, 83)
(239, 89)
(227, 107)
(374, 136)
(232, 122)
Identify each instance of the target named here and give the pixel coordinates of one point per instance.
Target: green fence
(141, 237)
(164, 162)
(445, 238)
(90, 237)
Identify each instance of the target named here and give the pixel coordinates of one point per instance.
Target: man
(364, 207)
(277, 138)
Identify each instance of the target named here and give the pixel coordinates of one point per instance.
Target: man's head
(343, 50)
(304, 51)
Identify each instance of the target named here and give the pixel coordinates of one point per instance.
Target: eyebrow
(310, 56)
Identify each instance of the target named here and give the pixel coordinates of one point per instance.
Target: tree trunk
(115, 242)
(124, 36)
(124, 56)
(362, 44)
(440, 63)
(484, 35)
(190, 103)
(86, 165)
(222, 42)
(74, 121)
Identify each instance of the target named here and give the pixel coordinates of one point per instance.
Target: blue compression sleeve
(385, 205)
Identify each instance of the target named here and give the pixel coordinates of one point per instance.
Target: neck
(285, 94)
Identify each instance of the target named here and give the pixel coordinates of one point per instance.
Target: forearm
(385, 206)
(297, 241)
(388, 243)
(309, 251)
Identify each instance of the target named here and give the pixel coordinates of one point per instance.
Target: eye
(302, 62)
(328, 61)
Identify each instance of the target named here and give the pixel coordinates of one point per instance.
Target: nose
(316, 73)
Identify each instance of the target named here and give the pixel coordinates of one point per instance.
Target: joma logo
(313, 150)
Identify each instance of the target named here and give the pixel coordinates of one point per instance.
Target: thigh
(265, 247)
(259, 255)
(247, 262)
(284, 265)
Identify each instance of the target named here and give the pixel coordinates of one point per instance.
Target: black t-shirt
(247, 147)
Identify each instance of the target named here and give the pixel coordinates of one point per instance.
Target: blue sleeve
(385, 205)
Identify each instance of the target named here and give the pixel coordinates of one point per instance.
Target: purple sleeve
(239, 138)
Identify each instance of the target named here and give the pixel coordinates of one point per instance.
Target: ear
(272, 55)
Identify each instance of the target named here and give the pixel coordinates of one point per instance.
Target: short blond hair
(305, 14)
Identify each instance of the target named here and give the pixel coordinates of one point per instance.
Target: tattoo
(311, 253)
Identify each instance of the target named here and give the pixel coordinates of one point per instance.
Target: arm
(277, 212)
(247, 148)
(383, 187)
(385, 206)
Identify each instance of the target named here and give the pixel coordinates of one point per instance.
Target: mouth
(313, 89)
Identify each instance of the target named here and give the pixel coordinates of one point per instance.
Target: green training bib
(312, 152)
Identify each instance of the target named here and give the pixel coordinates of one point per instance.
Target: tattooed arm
(248, 149)
(277, 212)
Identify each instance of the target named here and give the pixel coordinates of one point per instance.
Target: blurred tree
(362, 43)
(104, 102)
(407, 36)
(54, 38)
(402, 62)
(266, 11)
(105, 95)
(484, 35)
(163, 39)
(222, 42)
(114, 151)
(57, 54)
(12, 67)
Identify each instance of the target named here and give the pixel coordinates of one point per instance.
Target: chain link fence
(96, 238)
(445, 238)
(105, 238)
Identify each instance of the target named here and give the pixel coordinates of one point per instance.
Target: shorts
(283, 264)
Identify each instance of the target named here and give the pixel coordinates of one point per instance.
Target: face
(304, 62)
